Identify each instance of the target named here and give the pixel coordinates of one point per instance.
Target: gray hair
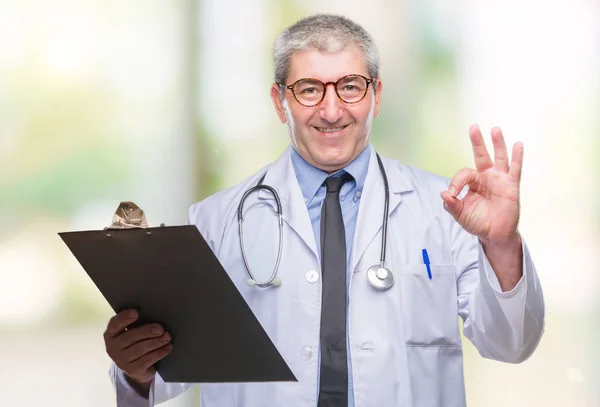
(324, 33)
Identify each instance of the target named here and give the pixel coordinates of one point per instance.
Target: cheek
(302, 120)
(361, 113)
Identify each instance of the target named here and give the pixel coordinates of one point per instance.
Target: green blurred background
(165, 102)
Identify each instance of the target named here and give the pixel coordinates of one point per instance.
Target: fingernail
(167, 337)
(157, 329)
(445, 206)
(452, 191)
(133, 314)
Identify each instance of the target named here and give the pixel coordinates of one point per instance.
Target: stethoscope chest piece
(380, 277)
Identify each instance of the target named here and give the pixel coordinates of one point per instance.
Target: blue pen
(426, 261)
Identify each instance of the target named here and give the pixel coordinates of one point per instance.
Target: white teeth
(330, 129)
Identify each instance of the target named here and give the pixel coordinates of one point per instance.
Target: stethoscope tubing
(273, 279)
(386, 211)
(241, 233)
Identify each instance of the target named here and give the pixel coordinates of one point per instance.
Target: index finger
(119, 322)
(480, 153)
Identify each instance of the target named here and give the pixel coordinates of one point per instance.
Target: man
(349, 342)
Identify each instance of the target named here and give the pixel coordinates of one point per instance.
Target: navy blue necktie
(333, 390)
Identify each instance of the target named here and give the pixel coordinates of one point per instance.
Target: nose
(331, 109)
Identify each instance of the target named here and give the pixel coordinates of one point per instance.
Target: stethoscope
(378, 275)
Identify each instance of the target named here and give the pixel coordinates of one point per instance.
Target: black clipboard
(171, 276)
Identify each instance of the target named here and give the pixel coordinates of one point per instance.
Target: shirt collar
(311, 178)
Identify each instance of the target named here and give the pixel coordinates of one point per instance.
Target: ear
(277, 102)
(379, 87)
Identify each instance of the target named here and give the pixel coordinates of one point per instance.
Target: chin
(333, 157)
(330, 154)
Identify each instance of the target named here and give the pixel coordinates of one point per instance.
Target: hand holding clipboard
(171, 277)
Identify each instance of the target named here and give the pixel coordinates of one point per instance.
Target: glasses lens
(308, 92)
(352, 88)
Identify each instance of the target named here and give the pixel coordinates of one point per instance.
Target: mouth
(330, 130)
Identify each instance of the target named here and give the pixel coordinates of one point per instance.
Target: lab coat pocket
(429, 306)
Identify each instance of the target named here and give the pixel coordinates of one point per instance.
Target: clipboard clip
(129, 216)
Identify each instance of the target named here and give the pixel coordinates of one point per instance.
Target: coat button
(312, 276)
(306, 353)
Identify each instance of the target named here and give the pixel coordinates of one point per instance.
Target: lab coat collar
(281, 176)
(370, 211)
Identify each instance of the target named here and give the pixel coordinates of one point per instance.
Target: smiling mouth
(330, 129)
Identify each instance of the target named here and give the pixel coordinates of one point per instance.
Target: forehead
(327, 66)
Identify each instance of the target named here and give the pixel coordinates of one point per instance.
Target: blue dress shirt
(311, 180)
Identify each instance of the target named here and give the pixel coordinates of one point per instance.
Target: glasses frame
(326, 85)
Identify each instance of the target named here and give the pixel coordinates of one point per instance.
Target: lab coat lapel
(370, 212)
(281, 176)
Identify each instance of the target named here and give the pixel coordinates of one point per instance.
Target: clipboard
(172, 277)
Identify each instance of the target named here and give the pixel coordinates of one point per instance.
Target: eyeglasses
(309, 92)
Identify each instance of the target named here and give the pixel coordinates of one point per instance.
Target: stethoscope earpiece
(253, 283)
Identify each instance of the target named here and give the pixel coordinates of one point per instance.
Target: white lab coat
(405, 344)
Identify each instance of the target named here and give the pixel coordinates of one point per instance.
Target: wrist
(505, 258)
(140, 386)
(509, 242)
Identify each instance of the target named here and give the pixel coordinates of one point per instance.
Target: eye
(309, 91)
(350, 88)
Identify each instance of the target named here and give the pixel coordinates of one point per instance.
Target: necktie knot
(334, 184)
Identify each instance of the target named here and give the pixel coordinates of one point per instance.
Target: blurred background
(165, 102)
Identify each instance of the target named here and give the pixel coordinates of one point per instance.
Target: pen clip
(426, 262)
